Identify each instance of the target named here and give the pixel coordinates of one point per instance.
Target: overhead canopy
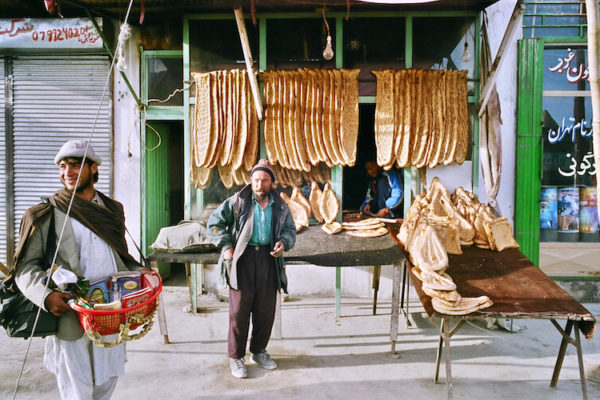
(116, 8)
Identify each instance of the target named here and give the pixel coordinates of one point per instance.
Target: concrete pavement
(324, 357)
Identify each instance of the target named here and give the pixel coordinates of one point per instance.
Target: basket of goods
(117, 305)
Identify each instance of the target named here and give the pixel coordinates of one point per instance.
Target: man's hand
(228, 254)
(278, 249)
(381, 213)
(56, 303)
(367, 209)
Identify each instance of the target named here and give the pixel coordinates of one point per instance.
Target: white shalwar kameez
(83, 370)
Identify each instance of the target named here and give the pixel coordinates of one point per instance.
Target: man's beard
(84, 183)
(261, 197)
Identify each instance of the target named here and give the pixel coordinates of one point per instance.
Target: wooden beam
(486, 91)
(239, 18)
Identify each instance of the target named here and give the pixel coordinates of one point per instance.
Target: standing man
(253, 228)
(93, 247)
(384, 195)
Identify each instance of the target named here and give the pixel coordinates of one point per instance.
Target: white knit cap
(76, 149)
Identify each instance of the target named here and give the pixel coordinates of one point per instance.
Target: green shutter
(529, 147)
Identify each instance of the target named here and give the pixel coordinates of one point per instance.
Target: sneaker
(264, 360)
(238, 367)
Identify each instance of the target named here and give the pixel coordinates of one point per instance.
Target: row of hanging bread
(311, 116)
(225, 130)
(421, 118)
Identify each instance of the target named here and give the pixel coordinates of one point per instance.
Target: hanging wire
(49, 272)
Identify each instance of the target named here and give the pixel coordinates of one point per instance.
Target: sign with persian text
(574, 72)
(68, 33)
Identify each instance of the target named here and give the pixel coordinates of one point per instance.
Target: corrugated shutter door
(56, 99)
(3, 233)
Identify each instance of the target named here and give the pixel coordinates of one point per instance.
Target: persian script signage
(68, 33)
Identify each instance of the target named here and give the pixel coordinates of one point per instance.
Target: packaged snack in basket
(99, 291)
(124, 283)
(151, 281)
(113, 305)
(135, 298)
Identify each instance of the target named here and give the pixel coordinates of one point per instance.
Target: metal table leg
(338, 291)
(376, 276)
(193, 285)
(395, 305)
(566, 340)
(162, 318)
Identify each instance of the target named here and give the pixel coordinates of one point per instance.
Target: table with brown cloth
(518, 289)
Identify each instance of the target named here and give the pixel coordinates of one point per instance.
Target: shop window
(373, 44)
(165, 75)
(296, 43)
(215, 45)
(453, 50)
(568, 210)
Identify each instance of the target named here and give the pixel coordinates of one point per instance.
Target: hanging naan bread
(280, 113)
(330, 205)
(399, 93)
(201, 177)
(226, 145)
(298, 197)
(437, 116)
(327, 124)
(238, 177)
(423, 105)
(309, 115)
(299, 112)
(297, 210)
(251, 150)
(452, 117)
(202, 117)
(384, 117)
(368, 232)
(335, 79)
(317, 120)
(215, 122)
(226, 174)
(332, 228)
(404, 148)
(270, 116)
(462, 117)
(315, 200)
(349, 116)
(239, 119)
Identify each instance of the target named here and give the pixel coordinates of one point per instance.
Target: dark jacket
(231, 224)
(385, 191)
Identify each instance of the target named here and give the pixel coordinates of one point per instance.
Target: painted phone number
(83, 35)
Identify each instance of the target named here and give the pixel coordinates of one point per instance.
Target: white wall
(127, 178)
(498, 15)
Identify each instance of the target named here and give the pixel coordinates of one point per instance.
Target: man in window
(384, 193)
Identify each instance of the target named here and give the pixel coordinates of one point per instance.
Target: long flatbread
(315, 200)
(308, 113)
(349, 118)
(384, 117)
(212, 156)
(403, 152)
(226, 174)
(326, 122)
(463, 120)
(330, 205)
(298, 117)
(270, 116)
(368, 232)
(228, 138)
(202, 117)
(419, 159)
(335, 79)
(251, 149)
(399, 110)
(240, 120)
(451, 121)
(280, 120)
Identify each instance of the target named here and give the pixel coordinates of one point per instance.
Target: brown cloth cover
(517, 287)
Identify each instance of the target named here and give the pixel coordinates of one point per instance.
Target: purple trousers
(257, 297)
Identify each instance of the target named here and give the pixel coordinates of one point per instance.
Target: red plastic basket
(107, 322)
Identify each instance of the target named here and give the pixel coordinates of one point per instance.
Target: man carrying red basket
(92, 245)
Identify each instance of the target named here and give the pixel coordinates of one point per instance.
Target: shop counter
(518, 289)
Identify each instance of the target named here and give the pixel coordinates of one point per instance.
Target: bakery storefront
(567, 204)
(299, 86)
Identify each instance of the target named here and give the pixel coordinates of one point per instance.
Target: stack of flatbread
(459, 220)
(311, 117)
(421, 118)
(370, 227)
(224, 128)
(427, 253)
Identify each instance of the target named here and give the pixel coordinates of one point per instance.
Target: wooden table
(313, 246)
(518, 289)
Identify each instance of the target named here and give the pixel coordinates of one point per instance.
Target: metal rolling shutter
(3, 233)
(56, 98)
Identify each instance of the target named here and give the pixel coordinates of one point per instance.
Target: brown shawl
(106, 221)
